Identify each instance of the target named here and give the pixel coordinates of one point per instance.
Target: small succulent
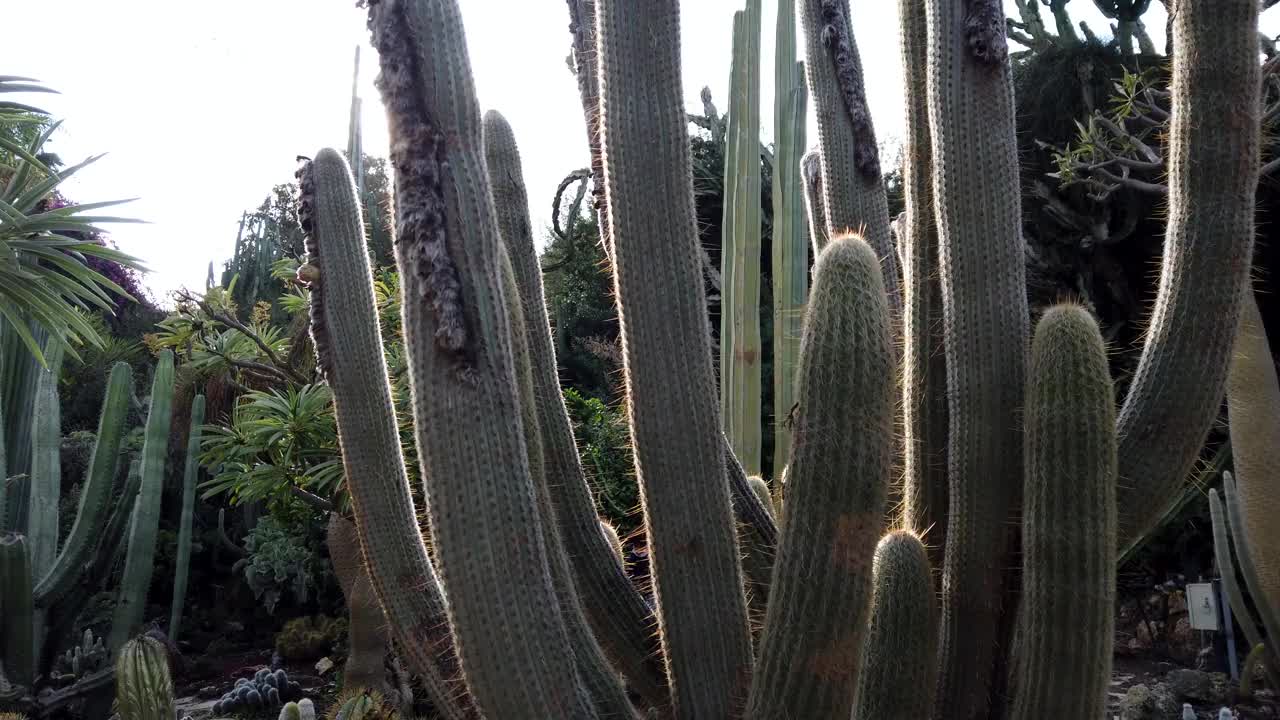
(266, 689)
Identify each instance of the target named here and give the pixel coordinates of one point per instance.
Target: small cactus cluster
(303, 709)
(89, 655)
(266, 689)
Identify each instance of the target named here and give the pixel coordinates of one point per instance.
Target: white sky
(202, 107)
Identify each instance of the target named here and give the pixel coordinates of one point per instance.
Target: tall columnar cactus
(853, 193)
(667, 359)
(17, 647)
(19, 373)
(479, 493)
(1253, 401)
(1062, 655)
(45, 487)
(135, 581)
(190, 475)
(1177, 388)
(790, 240)
(1247, 555)
(924, 385)
(979, 217)
(740, 354)
(898, 658)
(144, 688)
(821, 593)
(348, 342)
(596, 587)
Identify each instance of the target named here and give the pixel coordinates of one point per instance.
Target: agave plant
(44, 279)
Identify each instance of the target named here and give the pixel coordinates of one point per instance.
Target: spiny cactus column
(622, 621)
(348, 341)
(366, 625)
(1213, 172)
(46, 466)
(898, 665)
(667, 354)
(190, 474)
(924, 401)
(136, 578)
(481, 500)
(1062, 656)
(790, 244)
(144, 688)
(811, 649)
(1253, 401)
(979, 216)
(740, 355)
(1247, 556)
(17, 659)
(95, 494)
(853, 194)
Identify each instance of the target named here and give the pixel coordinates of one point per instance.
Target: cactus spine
(811, 648)
(740, 247)
(667, 359)
(189, 476)
(348, 342)
(136, 579)
(898, 659)
(144, 689)
(1213, 174)
(1253, 401)
(790, 240)
(1062, 656)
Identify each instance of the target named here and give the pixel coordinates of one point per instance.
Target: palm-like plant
(44, 279)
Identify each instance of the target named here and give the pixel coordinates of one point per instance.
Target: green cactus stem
(821, 594)
(366, 626)
(144, 688)
(740, 353)
(1253, 402)
(899, 666)
(1213, 153)
(924, 387)
(1247, 556)
(1062, 656)
(979, 218)
(348, 341)
(17, 646)
(667, 359)
(190, 474)
(95, 493)
(45, 487)
(1244, 614)
(145, 524)
(790, 244)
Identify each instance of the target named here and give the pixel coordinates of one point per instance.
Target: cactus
(17, 659)
(615, 542)
(1177, 389)
(266, 689)
(46, 466)
(290, 711)
(346, 334)
(924, 386)
(1251, 625)
(761, 489)
(1246, 556)
(790, 268)
(898, 664)
(136, 578)
(144, 689)
(87, 656)
(1253, 402)
(1062, 656)
(815, 206)
(617, 613)
(183, 552)
(821, 590)
(366, 629)
(740, 356)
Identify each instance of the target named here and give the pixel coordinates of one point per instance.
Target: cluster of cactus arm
(523, 609)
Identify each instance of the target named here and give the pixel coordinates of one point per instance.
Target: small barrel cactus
(266, 689)
(144, 688)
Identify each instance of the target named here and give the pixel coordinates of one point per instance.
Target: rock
(1193, 685)
(1149, 703)
(324, 665)
(208, 691)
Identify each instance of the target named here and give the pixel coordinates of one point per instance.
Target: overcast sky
(202, 107)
